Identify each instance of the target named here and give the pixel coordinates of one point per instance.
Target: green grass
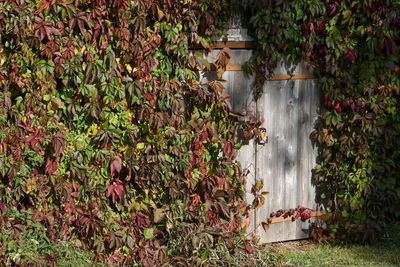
(306, 253)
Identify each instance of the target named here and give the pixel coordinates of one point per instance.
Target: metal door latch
(262, 136)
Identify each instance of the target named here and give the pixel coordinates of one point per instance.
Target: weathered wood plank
(234, 44)
(268, 161)
(306, 152)
(290, 149)
(288, 68)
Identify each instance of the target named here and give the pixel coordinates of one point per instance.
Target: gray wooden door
(285, 163)
(289, 109)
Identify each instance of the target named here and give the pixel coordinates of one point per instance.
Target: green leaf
(148, 233)
(345, 213)
(140, 146)
(168, 158)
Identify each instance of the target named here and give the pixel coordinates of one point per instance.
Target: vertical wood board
(239, 86)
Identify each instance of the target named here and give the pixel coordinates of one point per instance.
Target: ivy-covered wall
(108, 141)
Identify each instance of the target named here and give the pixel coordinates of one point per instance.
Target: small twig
(252, 232)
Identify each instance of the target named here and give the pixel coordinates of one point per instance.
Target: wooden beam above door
(228, 44)
(234, 45)
(278, 77)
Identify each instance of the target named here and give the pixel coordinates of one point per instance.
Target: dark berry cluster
(299, 212)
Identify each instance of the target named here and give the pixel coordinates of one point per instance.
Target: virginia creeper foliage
(107, 137)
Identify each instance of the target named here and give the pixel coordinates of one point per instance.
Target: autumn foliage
(106, 137)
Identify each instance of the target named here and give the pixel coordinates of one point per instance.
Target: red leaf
(155, 232)
(141, 254)
(119, 190)
(110, 190)
(72, 23)
(54, 31)
(120, 4)
(20, 84)
(96, 33)
(249, 249)
(75, 186)
(116, 190)
(114, 258)
(196, 199)
(228, 149)
(115, 165)
(58, 143)
(81, 26)
(43, 5)
(221, 182)
(35, 139)
(47, 31)
(337, 107)
(51, 166)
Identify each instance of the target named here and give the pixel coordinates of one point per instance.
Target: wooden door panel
(285, 164)
(289, 109)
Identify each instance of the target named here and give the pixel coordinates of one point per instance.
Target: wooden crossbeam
(279, 77)
(291, 77)
(234, 45)
(269, 221)
(234, 67)
(229, 44)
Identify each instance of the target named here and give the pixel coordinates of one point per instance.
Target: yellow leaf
(128, 67)
(160, 14)
(220, 72)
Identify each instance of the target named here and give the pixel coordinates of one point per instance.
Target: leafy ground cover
(308, 253)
